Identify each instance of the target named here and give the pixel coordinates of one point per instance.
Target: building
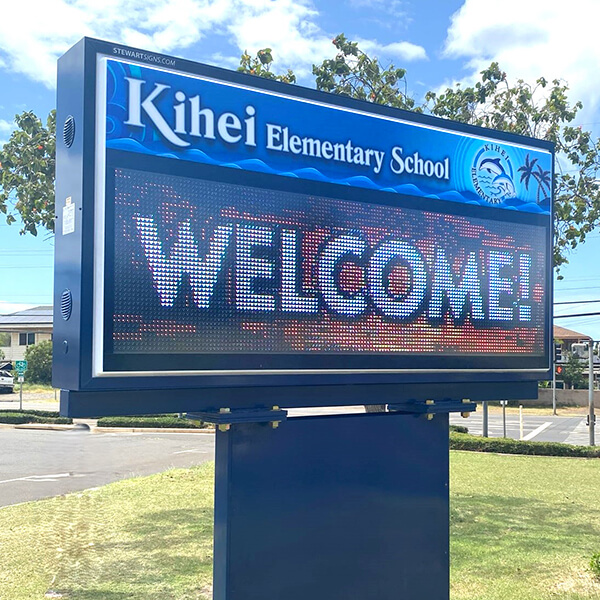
(567, 337)
(24, 328)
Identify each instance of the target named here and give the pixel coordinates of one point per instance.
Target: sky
(438, 42)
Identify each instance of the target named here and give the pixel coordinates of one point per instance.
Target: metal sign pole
(591, 392)
(554, 389)
(485, 419)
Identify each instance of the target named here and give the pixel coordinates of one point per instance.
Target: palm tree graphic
(542, 177)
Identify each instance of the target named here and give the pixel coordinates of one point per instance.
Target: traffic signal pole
(554, 390)
(557, 358)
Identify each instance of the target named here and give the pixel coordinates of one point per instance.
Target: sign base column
(350, 507)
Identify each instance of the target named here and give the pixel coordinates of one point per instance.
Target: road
(36, 464)
(569, 430)
(39, 464)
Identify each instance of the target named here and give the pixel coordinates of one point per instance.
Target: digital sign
(221, 227)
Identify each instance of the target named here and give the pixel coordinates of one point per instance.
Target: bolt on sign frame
(220, 234)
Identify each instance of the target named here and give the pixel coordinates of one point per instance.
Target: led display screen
(203, 267)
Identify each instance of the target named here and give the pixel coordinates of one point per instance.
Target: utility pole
(592, 424)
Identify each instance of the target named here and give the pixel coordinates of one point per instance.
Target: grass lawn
(522, 528)
(148, 538)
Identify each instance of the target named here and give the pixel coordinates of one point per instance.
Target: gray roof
(39, 315)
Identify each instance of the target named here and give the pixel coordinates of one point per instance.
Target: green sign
(21, 366)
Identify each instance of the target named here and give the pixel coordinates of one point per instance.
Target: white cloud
(405, 51)
(6, 128)
(531, 39)
(54, 25)
(289, 27)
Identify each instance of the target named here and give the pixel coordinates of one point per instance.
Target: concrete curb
(149, 430)
(42, 426)
(96, 429)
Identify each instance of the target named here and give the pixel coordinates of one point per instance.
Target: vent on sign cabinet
(69, 131)
(66, 304)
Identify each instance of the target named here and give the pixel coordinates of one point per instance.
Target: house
(567, 337)
(573, 342)
(24, 328)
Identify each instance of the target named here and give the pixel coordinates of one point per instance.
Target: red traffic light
(559, 369)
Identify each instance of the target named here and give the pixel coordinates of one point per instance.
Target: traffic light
(557, 353)
(559, 370)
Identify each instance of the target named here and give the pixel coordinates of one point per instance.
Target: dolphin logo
(505, 186)
(492, 165)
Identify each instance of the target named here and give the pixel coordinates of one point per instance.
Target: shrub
(459, 429)
(159, 421)
(461, 441)
(20, 417)
(39, 363)
(595, 565)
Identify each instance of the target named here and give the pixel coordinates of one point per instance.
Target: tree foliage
(540, 110)
(572, 373)
(353, 73)
(39, 362)
(260, 66)
(27, 164)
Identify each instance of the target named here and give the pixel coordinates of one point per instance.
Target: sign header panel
(159, 113)
(237, 232)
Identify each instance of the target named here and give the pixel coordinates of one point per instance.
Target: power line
(593, 314)
(577, 302)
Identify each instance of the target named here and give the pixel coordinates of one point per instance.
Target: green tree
(573, 372)
(541, 110)
(354, 73)
(27, 164)
(2, 356)
(39, 362)
(260, 66)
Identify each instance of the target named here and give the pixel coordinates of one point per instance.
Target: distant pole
(485, 419)
(504, 402)
(21, 394)
(554, 389)
(591, 392)
(520, 421)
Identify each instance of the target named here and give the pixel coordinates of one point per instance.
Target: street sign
(20, 379)
(21, 366)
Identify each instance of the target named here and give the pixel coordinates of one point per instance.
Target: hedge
(461, 441)
(458, 429)
(20, 417)
(158, 421)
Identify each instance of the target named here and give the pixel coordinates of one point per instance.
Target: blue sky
(438, 42)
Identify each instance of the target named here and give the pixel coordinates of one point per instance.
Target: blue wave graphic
(360, 181)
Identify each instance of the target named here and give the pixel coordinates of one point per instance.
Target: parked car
(7, 382)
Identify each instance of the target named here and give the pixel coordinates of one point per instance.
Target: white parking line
(537, 431)
(42, 478)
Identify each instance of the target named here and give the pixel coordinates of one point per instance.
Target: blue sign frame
(131, 110)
